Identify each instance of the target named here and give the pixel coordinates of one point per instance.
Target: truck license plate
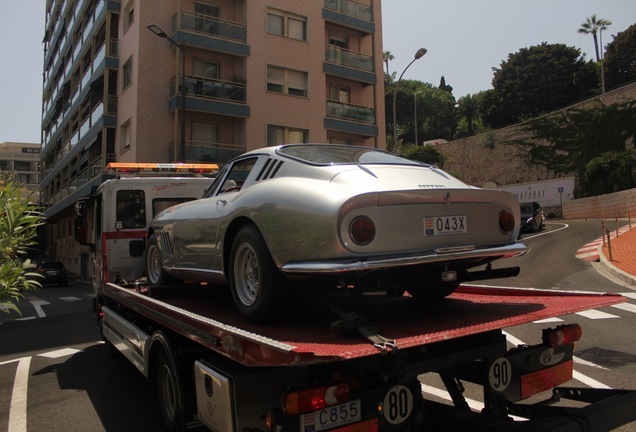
(445, 225)
(331, 417)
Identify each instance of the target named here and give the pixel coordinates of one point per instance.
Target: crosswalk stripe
(596, 314)
(626, 307)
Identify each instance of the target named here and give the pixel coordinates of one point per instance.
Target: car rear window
(342, 154)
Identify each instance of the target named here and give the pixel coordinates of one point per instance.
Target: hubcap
(246, 274)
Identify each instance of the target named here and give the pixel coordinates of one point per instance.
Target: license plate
(445, 225)
(331, 417)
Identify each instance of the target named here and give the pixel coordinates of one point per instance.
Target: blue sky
(465, 39)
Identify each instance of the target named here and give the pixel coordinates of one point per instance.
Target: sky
(465, 39)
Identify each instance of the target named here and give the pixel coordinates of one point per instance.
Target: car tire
(431, 291)
(158, 280)
(256, 284)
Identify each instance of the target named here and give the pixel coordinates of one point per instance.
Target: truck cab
(114, 219)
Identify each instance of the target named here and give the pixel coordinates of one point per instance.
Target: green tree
(537, 80)
(423, 153)
(435, 111)
(387, 57)
(594, 25)
(19, 219)
(611, 171)
(620, 59)
(468, 115)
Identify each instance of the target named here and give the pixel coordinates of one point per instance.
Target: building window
(127, 74)
(125, 136)
(339, 94)
(287, 24)
(286, 81)
(205, 69)
(22, 166)
(277, 135)
(204, 145)
(129, 14)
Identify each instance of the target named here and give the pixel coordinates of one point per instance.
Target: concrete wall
(619, 204)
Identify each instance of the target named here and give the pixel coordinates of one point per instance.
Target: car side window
(232, 177)
(131, 211)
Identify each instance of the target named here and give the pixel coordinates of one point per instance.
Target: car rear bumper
(374, 263)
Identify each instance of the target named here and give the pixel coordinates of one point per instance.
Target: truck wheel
(255, 282)
(158, 279)
(168, 390)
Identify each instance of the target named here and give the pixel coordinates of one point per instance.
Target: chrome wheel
(247, 274)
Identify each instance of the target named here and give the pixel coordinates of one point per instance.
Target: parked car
(532, 217)
(52, 272)
(343, 216)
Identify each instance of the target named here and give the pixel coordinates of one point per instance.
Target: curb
(615, 271)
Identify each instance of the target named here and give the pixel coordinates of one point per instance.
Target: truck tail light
(506, 222)
(545, 379)
(562, 335)
(362, 230)
(314, 399)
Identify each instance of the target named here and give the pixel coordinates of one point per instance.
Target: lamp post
(180, 150)
(600, 33)
(418, 55)
(415, 112)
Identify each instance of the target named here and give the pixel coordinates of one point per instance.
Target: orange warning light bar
(129, 167)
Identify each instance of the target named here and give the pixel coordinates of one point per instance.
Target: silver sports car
(353, 218)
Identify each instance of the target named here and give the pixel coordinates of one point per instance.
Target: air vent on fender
(270, 169)
(166, 244)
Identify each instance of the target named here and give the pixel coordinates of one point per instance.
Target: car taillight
(506, 222)
(314, 399)
(562, 335)
(362, 230)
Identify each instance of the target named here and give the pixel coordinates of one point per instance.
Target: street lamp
(180, 150)
(418, 55)
(415, 112)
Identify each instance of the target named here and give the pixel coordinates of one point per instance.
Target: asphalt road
(56, 375)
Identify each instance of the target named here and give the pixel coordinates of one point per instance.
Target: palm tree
(594, 25)
(387, 56)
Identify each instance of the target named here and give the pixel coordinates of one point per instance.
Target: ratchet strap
(351, 322)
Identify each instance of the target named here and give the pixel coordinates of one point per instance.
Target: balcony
(349, 64)
(350, 14)
(351, 118)
(198, 151)
(211, 33)
(212, 96)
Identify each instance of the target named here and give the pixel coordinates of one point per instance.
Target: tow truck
(353, 364)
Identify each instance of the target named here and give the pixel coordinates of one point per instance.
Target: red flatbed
(207, 316)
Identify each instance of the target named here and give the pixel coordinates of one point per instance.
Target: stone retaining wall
(619, 204)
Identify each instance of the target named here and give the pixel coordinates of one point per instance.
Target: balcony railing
(197, 151)
(350, 112)
(352, 8)
(210, 26)
(348, 58)
(211, 89)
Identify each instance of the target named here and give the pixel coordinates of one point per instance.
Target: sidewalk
(622, 264)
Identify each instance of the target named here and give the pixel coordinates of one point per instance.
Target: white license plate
(445, 225)
(331, 417)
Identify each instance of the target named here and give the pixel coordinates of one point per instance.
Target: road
(56, 375)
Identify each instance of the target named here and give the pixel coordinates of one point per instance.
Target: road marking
(596, 314)
(37, 305)
(18, 408)
(626, 307)
(70, 299)
(60, 353)
(548, 320)
(631, 295)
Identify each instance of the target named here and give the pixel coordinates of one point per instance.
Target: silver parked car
(340, 216)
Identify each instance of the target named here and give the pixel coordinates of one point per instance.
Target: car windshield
(342, 154)
(526, 208)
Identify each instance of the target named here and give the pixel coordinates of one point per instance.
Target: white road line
(631, 295)
(596, 314)
(70, 299)
(626, 307)
(37, 305)
(18, 408)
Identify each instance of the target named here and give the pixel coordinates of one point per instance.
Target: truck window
(131, 211)
(160, 204)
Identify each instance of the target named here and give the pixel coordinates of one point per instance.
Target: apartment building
(198, 80)
(20, 161)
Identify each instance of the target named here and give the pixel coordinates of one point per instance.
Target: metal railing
(211, 89)
(348, 58)
(351, 112)
(209, 26)
(352, 8)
